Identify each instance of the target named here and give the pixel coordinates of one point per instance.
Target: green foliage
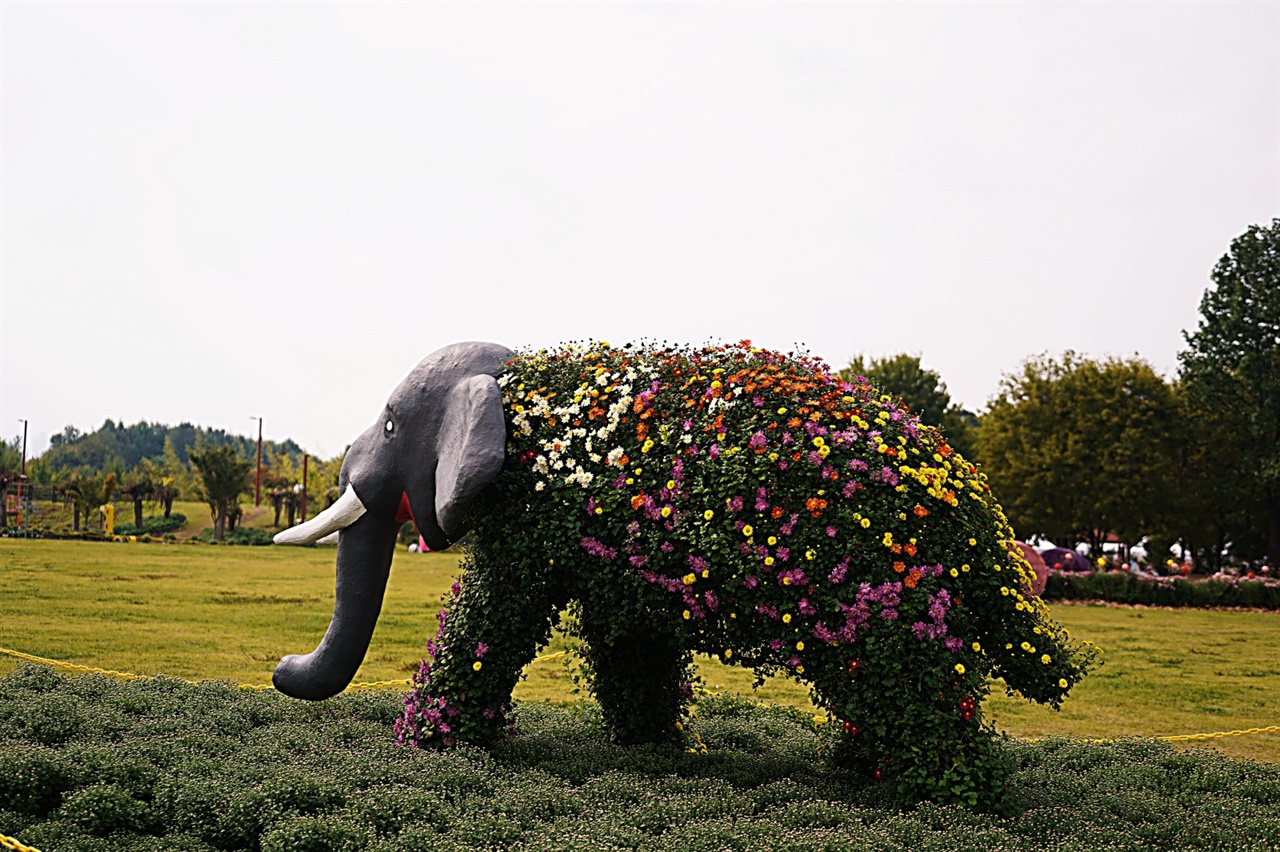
(924, 392)
(224, 476)
(1079, 448)
(165, 765)
(754, 507)
(154, 526)
(115, 444)
(1124, 587)
(1231, 372)
(240, 535)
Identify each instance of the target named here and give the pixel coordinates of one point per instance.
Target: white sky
(218, 210)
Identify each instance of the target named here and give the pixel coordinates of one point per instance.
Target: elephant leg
(922, 734)
(494, 623)
(640, 677)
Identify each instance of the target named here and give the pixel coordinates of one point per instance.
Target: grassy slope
(224, 612)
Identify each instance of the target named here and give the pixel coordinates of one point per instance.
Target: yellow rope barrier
(16, 845)
(381, 684)
(1180, 738)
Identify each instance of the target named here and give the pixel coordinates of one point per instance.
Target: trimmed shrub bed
(1123, 587)
(88, 763)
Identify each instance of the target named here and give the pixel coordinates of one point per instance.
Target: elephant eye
(390, 427)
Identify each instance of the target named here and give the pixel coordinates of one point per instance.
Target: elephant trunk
(365, 548)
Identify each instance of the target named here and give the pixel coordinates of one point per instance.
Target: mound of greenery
(153, 526)
(89, 763)
(1124, 587)
(240, 535)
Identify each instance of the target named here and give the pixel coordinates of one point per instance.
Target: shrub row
(87, 763)
(153, 526)
(241, 535)
(1127, 588)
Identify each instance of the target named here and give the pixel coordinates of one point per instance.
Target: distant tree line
(1083, 450)
(154, 464)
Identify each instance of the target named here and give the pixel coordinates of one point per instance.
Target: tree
(1078, 449)
(138, 486)
(1231, 366)
(87, 492)
(924, 393)
(10, 470)
(170, 476)
(224, 476)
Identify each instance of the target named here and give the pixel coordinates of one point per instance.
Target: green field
(203, 612)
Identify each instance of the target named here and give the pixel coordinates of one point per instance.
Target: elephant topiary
(725, 500)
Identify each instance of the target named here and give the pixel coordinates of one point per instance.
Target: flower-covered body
(751, 506)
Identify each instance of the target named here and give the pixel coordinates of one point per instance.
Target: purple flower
(831, 532)
(732, 505)
(481, 650)
(758, 441)
(597, 548)
(639, 561)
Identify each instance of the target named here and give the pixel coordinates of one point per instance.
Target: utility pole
(304, 487)
(257, 482)
(23, 498)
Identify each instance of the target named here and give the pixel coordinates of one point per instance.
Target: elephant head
(440, 439)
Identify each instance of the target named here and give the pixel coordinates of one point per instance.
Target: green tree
(1076, 449)
(924, 393)
(224, 476)
(1231, 367)
(10, 469)
(88, 491)
(138, 485)
(170, 475)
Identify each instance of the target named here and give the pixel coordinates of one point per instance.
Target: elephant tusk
(339, 516)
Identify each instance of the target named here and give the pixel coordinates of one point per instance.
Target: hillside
(115, 444)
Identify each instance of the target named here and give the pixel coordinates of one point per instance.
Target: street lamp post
(304, 486)
(23, 498)
(257, 481)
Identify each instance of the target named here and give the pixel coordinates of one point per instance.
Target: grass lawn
(204, 612)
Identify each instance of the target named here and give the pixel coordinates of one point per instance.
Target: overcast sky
(218, 210)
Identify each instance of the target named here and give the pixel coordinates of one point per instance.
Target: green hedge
(153, 526)
(1127, 588)
(242, 535)
(88, 763)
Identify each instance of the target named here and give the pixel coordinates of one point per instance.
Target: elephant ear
(472, 444)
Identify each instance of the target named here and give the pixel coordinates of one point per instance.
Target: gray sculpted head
(438, 441)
